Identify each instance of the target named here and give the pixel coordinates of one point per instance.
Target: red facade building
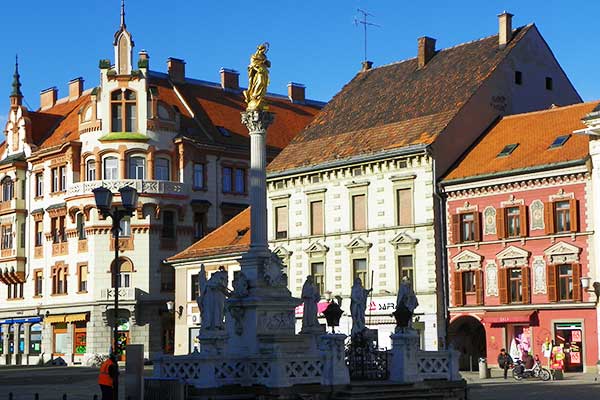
(518, 208)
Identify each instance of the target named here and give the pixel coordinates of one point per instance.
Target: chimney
(230, 79)
(296, 92)
(48, 98)
(366, 65)
(143, 59)
(504, 29)
(426, 50)
(176, 69)
(75, 88)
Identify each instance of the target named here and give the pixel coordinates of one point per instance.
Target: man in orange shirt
(108, 372)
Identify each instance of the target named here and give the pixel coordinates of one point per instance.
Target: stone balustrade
(124, 294)
(441, 364)
(142, 186)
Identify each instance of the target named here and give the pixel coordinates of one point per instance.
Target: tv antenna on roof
(364, 23)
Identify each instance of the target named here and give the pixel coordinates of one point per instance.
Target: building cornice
(532, 307)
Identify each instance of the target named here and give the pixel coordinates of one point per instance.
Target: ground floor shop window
(519, 340)
(122, 338)
(22, 339)
(570, 336)
(79, 344)
(61, 339)
(35, 339)
(11, 339)
(194, 342)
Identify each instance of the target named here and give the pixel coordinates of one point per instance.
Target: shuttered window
(281, 222)
(405, 207)
(561, 216)
(316, 217)
(359, 212)
(479, 287)
(458, 295)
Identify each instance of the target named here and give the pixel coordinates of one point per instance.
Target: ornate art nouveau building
(178, 141)
(519, 216)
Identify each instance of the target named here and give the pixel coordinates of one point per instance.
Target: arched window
(111, 168)
(90, 170)
(80, 226)
(137, 167)
(7, 189)
(125, 270)
(162, 169)
(124, 111)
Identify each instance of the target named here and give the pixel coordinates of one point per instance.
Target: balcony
(125, 293)
(142, 186)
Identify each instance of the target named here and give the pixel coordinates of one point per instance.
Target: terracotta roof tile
(394, 93)
(231, 237)
(534, 132)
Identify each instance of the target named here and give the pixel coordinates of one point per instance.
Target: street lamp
(103, 198)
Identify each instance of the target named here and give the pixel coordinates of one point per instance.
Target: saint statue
(311, 297)
(406, 302)
(258, 79)
(213, 293)
(358, 306)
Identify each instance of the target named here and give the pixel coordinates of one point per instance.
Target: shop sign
(382, 306)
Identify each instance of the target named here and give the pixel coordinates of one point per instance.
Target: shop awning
(508, 317)
(76, 317)
(54, 319)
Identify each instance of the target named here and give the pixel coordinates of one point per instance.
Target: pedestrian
(504, 361)
(108, 372)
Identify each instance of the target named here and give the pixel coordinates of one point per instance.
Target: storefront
(69, 336)
(20, 340)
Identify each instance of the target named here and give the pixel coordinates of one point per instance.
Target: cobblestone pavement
(574, 386)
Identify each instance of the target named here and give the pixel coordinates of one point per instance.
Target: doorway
(467, 335)
(570, 336)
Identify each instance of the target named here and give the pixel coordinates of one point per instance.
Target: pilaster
(16, 337)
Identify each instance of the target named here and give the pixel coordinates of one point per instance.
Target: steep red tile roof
(395, 93)
(66, 123)
(534, 132)
(231, 237)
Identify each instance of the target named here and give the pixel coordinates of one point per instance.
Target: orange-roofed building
(519, 211)
(179, 141)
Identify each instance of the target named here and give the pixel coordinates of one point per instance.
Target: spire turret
(123, 45)
(16, 96)
(123, 26)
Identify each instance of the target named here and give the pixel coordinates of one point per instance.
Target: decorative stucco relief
(536, 210)
(539, 275)
(491, 279)
(489, 217)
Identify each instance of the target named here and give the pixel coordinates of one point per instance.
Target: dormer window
(124, 111)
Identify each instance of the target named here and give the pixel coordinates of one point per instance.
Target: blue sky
(312, 42)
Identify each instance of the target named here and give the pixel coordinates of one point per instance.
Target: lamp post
(103, 198)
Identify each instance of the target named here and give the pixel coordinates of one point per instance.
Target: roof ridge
(451, 47)
(552, 109)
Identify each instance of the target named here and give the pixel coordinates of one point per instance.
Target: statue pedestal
(405, 345)
(212, 341)
(335, 371)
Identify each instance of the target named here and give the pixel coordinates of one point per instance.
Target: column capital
(257, 121)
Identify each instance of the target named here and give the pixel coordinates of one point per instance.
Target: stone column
(5, 343)
(16, 336)
(27, 332)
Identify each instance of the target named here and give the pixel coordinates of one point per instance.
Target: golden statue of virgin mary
(258, 79)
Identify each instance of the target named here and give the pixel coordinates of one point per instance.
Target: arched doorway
(467, 335)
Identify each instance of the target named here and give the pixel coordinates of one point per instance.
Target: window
(38, 282)
(111, 168)
(404, 207)
(59, 279)
(359, 211)
(23, 235)
(513, 222)
(80, 226)
(467, 224)
(7, 189)
(124, 111)
(357, 171)
(124, 275)
(39, 184)
(124, 279)
(468, 282)
(549, 83)
(195, 288)
(137, 168)
(82, 278)
(162, 171)
(55, 181)
(518, 77)
(406, 269)
(199, 176)
(7, 237)
(168, 228)
(360, 270)
(39, 233)
(565, 282)
(317, 270)
(167, 278)
(240, 180)
(199, 223)
(559, 141)
(515, 286)
(35, 339)
(80, 339)
(281, 222)
(62, 172)
(507, 150)
(15, 290)
(90, 170)
(227, 176)
(125, 227)
(562, 215)
(57, 227)
(316, 217)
